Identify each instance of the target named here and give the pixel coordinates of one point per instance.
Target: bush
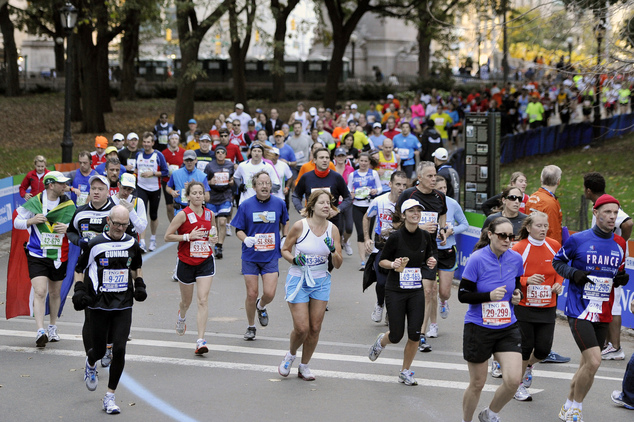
(427, 84)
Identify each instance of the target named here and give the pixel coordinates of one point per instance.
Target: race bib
(82, 198)
(299, 155)
(312, 260)
(599, 291)
(145, 169)
(172, 168)
(587, 103)
(439, 121)
(162, 139)
(314, 189)
(222, 178)
(428, 217)
(264, 242)
(183, 196)
(89, 234)
(200, 165)
(496, 313)
(362, 192)
(192, 218)
(132, 162)
(533, 116)
(538, 295)
(199, 249)
(411, 278)
(52, 240)
(387, 175)
(403, 153)
(115, 281)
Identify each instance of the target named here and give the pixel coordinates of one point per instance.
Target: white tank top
(314, 248)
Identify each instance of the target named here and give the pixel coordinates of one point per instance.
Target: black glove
(621, 278)
(139, 290)
(81, 298)
(580, 278)
(83, 243)
(242, 188)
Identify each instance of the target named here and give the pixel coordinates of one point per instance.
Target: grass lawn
(614, 160)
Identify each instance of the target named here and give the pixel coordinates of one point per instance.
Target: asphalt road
(238, 380)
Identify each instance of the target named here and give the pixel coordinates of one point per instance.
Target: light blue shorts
(321, 291)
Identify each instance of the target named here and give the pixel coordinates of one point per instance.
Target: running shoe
(52, 333)
(201, 346)
(496, 371)
(423, 346)
(228, 229)
(174, 278)
(285, 367)
(142, 246)
(181, 326)
(107, 358)
(608, 349)
(407, 377)
(444, 308)
(485, 416)
(263, 315)
(433, 331)
(110, 405)
(304, 373)
(574, 415)
(387, 319)
(522, 394)
(527, 380)
(250, 333)
(41, 338)
(152, 245)
(347, 248)
(554, 357)
(90, 376)
(376, 348)
(362, 266)
(613, 354)
(219, 252)
(617, 397)
(562, 413)
(377, 313)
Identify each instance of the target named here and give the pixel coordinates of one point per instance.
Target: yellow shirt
(440, 122)
(193, 145)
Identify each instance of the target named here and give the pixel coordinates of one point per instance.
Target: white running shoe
(562, 413)
(90, 376)
(110, 405)
(574, 415)
(201, 346)
(228, 229)
(106, 360)
(142, 246)
(444, 308)
(41, 338)
(496, 371)
(52, 333)
(285, 367)
(407, 377)
(152, 245)
(348, 248)
(522, 394)
(609, 353)
(181, 326)
(433, 331)
(304, 373)
(376, 348)
(377, 314)
(485, 416)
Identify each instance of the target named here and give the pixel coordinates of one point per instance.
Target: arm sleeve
(463, 224)
(489, 204)
(72, 233)
(82, 262)
(298, 194)
(163, 165)
(24, 185)
(561, 259)
(467, 293)
(377, 182)
(138, 217)
(389, 250)
(20, 220)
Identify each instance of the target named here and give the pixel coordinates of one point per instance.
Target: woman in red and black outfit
(194, 228)
(34, 179)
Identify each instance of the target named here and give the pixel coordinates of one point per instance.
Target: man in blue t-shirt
(80, 186)
(407, 147)
(258, 223)
(177, 185)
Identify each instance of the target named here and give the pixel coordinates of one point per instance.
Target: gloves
(300, 260)
(580, 278)
(139, 290)
(83, 243)
(81, 298)
(621, 278)
(242, 188)
(330, 243)
(249, 242)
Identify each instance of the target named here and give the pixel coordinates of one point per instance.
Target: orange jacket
(310, 166)
(543, 201)
(538, 260)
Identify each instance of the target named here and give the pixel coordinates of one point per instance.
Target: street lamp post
(68, 16)
(599, 32)
(353, 41)
(569, 40)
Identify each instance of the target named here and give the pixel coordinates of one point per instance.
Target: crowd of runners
(383, 173)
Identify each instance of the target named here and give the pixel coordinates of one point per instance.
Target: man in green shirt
(535, 112)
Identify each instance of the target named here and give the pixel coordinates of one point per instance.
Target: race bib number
(199, 249)
(387, 175)
(312, 260)
(264, 242)
(115, 281)
(362, 192)
(314, 189)
(192, 218)
(172, 168)
(411, 278)
(183, 196)
(587, 103)
(496, 313)
(200, 165)
(403, 153)
(82, 198)
(132, 162)
(89, 234)
(533, 116)
(222, 178)
(162, 139)
(299, 155)
(145, 170)
(428, 217)
(599, 291)
(439, 121)
(538, 295)
(52, 240)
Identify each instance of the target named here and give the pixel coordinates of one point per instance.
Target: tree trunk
(93, 120)
(238, 71)
(11, 53)
(424, 50)
(277, 67)
(76, 114)
(129, 52)
(334, 74)
(103, 76)
(186, 84)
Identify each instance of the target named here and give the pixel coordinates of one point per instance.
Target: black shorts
(169, 199)
(588, 334)
(187, 274)
(151, 199)
(45, 267)
(429, 274)
(479, 343)
(447, 259)
(409, 171)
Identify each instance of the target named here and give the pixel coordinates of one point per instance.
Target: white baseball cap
(410, 203)
(132, 135)
(118, 137)
(275, 150)
(441, 154)
(128, 180)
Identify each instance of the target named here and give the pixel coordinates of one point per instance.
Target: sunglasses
(504, 236)
(514, 198)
